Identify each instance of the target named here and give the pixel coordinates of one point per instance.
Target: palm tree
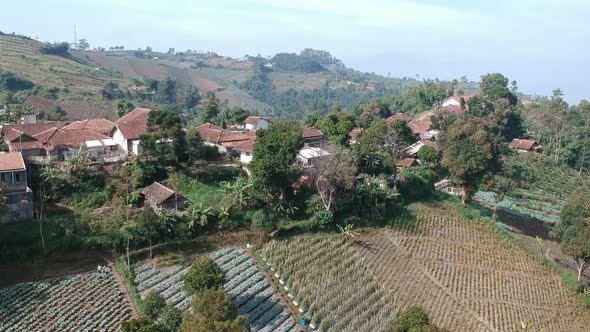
(198, 215)
(347, 232)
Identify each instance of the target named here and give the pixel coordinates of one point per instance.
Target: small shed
(160, 198)
(525, 145)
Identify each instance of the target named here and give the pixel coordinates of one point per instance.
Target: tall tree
(495, 86)
(123, 106)
(209, 111)
(336, 126)
(274, 154)
(334, 174)
(469, 151)
(375, 151)
(213, 311)
(574, 230)
(165, 139)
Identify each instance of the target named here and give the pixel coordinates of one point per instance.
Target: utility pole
(75, 37)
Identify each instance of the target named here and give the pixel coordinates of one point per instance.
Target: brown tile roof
(55, 137)
(420, 127)
(310, 133)
(209, 132)
(407, 162)
(11, 161)
(355, 133)
(454, 108)
(12, 132)
(157, 193)
(246, 146)
(25, 145)
(522, 144)
(399, 116)
(134, 123)
(40, 104)
(252, 119)
(458, 98)
(228, 136)
(102, 126)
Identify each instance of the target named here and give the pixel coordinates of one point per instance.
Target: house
(354, 134)
(103, 126)
(256, 122)
(161, 198)
(453, 103)
(412, 150)
(307, 157)
(224, 140)
(525, 145)
(246, 150)
(312, 136)
(399, 116)
(61, 144)
(21, 138)
(19, 197)
(407, 162)
(129, 128)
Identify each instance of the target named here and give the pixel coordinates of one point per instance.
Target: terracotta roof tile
(11, 161)
(102, 126)
(309, 133)
(407, 162)
(355, 133)
(134, 123)
(522, 144)
(399, 116)
(12, 132)
(157, 193)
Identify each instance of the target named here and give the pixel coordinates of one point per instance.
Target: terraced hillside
(250, 291)
(83, 302)
(466, 275)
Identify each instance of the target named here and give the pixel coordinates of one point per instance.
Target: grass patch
(198, 192)
(129, 277)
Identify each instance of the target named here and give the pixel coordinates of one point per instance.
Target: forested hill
(286, 85)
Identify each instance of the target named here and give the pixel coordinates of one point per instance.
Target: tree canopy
(574, 230)
(204, 274)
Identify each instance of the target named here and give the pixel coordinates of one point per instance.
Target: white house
(307, 156)
(246, 150)
(255, 123)
(129, 128)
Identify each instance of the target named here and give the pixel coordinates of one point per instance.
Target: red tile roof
(407, 162)
(454, 108)
(55, 137)
(252, 119)
(134, 123)
(209, 132)
(157, 193)
(12, 132)
(11, 161)
(420, 127)
(246, 146)
(355, 133)
(310, 133)
(465, 97)
(399, 116)
(102, 126)
(522, 144)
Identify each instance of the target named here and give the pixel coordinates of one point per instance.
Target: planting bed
(83, 302)
(328, 282)
(250, 291)
(470, 278)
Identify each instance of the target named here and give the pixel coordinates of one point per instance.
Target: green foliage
(209, 111)
(145, 172)
(416, 184)
(153, 304)
(123, 106)
(574, 229)
(165, 139)
(323, 219)
(373, 153)
(204, 274)
(170, 318)
(294, 62)
(263, 219)
(274, 154)
(427, 154)
(321, 57)
(111, 91)
(495, 86)
(213, 311)
(12, 83)
(191, 98)
(60, 49)
(167, 91)
(336, 127)
(413, 320)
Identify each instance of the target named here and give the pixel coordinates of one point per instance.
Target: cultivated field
(328, 282)
(83, 302)
(466, 275)
(250, 291)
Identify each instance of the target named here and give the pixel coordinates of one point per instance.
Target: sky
(541, 44)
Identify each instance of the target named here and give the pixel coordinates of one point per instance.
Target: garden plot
(326, 280)
(247, 286)
(252, 294)
(83, 302)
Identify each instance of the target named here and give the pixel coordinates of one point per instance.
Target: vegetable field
(326, 280)
(247, 286)
(83, 302)
(469, 277)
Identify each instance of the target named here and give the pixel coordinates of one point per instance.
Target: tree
(274, 154)
(574, 230)
(198, 216)
(374, 152)
(312, 119)
(334, 174)
(83, 44)
(167, 91)
(191, 98)
(123, 106)
(413, 320)
(495, 86)
(469, 151)
(164, 139)
(204, 274)
(427, 154)
(236, 115)
(336, 126)
(153, 303)
(209, 111)
(213, 311)
(171, 51)
(170, 318)
(149, 227)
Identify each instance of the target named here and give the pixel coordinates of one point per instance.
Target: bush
(324, 219)
(416, 184)
(212, 311)
(141, 325)
(60, 49)
(413, 320)
(170, 318)
(427, 154)
(204, 274)
(263, 219)
(153, 304)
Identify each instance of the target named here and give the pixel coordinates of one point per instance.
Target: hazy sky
(540, 43)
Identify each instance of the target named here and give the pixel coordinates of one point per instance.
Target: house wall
(120, 140)
(260, 124)
(134, 147)
(246, 157)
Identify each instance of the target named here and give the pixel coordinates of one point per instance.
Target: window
(17, 177)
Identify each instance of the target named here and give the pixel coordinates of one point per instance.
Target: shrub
(414, 320)
(204, 274)
(324, 219)
(427, 154)
(415, 184)
(213, 310)
(263, 219)
(170, 318)
(60, 49)
(153, 305)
